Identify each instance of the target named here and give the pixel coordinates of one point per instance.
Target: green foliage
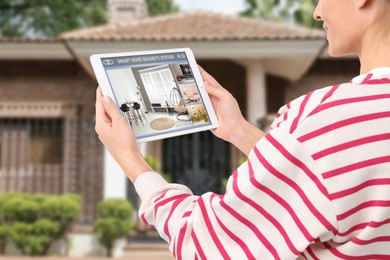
(115, 221)
(4, 231)
(159, 7)
(300, 12)
(34, 222)
(156, 166)
(34, 238)
(242, 160)
(48, 18)
(21, 208)
(63, 209)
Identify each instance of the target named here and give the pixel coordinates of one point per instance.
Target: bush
(20, 208)
(34, 222)
(34, 238)
(114, 222)
(3, 238)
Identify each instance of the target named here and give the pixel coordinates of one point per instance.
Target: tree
(48, 18)
(159, 7)
(300, 12)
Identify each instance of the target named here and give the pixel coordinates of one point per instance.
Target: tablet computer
(160, 93)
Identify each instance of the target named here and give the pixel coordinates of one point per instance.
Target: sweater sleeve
(274, 207)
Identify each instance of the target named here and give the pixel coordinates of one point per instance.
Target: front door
(200, 161)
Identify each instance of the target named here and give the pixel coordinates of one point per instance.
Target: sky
(225, 6)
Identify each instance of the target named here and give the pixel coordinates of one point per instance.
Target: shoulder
(290, 116)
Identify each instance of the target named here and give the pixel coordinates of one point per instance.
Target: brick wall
(62, 81)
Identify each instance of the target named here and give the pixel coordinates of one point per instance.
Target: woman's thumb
(110, 107)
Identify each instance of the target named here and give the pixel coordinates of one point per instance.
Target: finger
(111, 109)
(101, 115)
(215, 92)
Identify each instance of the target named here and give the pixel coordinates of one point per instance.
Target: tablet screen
(157, 93)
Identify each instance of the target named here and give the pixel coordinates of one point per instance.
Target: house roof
(194, 26)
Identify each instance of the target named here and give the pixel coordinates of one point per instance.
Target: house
(47, 138)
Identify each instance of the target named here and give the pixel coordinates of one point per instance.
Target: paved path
(131, 252)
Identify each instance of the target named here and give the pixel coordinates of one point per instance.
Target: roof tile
(193, 26)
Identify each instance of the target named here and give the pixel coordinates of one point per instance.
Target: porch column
(115, 180)
(256, 91)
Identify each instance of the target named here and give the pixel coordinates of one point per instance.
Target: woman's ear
(363, 3)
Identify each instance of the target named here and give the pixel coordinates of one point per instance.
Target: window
(158, 82)
(30, 142)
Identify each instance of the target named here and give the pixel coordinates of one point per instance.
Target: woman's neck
(375, 48)
(375, 57)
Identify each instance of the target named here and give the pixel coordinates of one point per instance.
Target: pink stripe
(281, 201)
(160, 197)
(364, 257)
(356, 166)
(252, 227)
(142, 217)
(285, 116)
(304, 256)
(311, 253)
(295, 186)
(371, 241)
(174, 206)
(364, 205)
(368, 77)
(351, 144)
(377, 81)
(198, 247)
(268, 216)
(361, 226)
(343, 123)
(297, 163)
(330, 93)
(162, 203)
(211, 230)
(235, 238)
(186, 214)
(174, 248)
(347, 192)
(180, 240)
(348, 101)
(301, 110)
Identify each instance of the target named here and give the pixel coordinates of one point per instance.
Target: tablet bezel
(106, 88)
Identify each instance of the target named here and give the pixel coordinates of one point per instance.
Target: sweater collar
(377, 75)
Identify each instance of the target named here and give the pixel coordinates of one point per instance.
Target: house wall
(63, 81)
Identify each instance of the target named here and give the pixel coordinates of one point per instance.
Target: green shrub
(3, 238)
(64, 210)
(115, 221)
(20, 208)
(34, 238)
(34, 222)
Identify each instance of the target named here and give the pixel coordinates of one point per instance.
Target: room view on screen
(156, 93)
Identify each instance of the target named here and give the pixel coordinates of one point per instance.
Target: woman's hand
(232, 125)
(118, 137)
(225, 106)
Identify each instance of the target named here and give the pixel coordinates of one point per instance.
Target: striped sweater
(317, 186)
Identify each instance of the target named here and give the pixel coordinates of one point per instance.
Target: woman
(316, 186)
